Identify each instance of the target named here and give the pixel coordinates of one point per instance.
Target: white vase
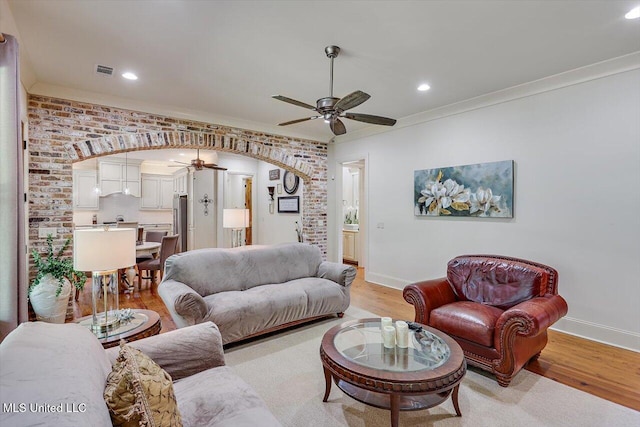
(46, 305)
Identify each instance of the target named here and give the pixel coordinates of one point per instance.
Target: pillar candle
(389, 336)
(385, 321)
(402, 334)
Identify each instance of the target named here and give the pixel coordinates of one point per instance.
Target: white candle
(385, 321)
(402, 334)
(389, 336)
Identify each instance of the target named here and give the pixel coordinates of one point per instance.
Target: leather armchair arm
(533, 316)
(186, 306)
(182, 352)
(342, 274)
(428, 295)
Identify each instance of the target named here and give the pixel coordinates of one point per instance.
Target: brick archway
(62, 132)
(120, 143)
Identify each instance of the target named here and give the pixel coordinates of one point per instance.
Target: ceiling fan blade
(337, 127)
(294, 102)
(214, 166)
(352, 100)
(179, 165)
(368, 118)
(298, 121)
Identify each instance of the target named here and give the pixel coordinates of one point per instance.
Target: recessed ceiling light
(182, 154)
(633, 13)
(424, 87)
(129, 76)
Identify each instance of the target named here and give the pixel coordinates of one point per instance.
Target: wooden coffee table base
(393, 401)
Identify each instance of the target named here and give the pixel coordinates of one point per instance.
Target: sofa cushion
(139, 392)
(243, 313)
(468, 320)
(209, 271)
(219, 397)
(60, 365)
(494, 281)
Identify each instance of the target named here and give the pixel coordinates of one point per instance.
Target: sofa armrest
(182, 352)
(428, 295)
(531, 317)
(182, 300)
(342, 274)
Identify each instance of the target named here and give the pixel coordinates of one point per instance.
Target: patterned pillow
(139, 392)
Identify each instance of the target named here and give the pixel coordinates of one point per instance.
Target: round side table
(145, 323)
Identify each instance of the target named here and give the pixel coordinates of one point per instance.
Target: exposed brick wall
(62, 132)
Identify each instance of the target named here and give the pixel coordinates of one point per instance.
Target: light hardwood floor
(605, 371)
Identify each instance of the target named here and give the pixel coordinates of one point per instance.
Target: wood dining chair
(168, 247)
(152, 236)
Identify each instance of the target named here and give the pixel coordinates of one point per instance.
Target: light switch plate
(43, 232)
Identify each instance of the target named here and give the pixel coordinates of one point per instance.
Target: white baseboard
(569, 325)
(383, 280)
(600, 333)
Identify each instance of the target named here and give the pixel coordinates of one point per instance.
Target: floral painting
(479, 190)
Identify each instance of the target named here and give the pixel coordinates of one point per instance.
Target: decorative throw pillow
(139, 392)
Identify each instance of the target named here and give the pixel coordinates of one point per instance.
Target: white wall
(576, 203)
(276, 227)
(204, 226)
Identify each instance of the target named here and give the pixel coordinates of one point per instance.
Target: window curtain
(13, 282)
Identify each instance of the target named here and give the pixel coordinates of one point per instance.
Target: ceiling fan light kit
(331, 109)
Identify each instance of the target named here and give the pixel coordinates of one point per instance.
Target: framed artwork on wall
(289, 204)
(274, 174)
(480, 190)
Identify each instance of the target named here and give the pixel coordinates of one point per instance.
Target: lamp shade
(235, 218)
(99, 249)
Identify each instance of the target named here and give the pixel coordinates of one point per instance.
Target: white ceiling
(225, 59)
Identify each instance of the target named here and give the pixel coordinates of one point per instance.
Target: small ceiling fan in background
(331, 109)
(197, 164)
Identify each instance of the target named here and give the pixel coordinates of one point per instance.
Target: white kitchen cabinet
(116, 175)
(157, 192)
(350, 245)
(85, 196)
(180, 181)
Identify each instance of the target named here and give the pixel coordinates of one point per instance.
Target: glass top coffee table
(420, 376)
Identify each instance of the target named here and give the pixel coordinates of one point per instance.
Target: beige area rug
(285, 369)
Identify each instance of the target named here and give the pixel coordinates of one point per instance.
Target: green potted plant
(50, 291)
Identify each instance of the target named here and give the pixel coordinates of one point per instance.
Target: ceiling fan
(331, 109)
(198, 164)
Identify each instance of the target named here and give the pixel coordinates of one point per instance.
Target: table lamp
(236, 219)
(103, 251)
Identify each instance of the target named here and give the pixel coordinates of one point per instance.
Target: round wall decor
(290, 182)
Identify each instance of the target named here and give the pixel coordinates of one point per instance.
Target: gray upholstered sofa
(253, 290)
(56, 374)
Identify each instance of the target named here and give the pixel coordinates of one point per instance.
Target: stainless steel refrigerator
(180, 222)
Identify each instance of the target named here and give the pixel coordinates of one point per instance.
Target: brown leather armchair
(497, 308)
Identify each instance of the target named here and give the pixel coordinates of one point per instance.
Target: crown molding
(587, 73)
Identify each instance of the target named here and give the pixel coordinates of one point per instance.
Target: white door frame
(336, 230)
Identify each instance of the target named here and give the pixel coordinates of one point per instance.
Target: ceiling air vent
(103, 70)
